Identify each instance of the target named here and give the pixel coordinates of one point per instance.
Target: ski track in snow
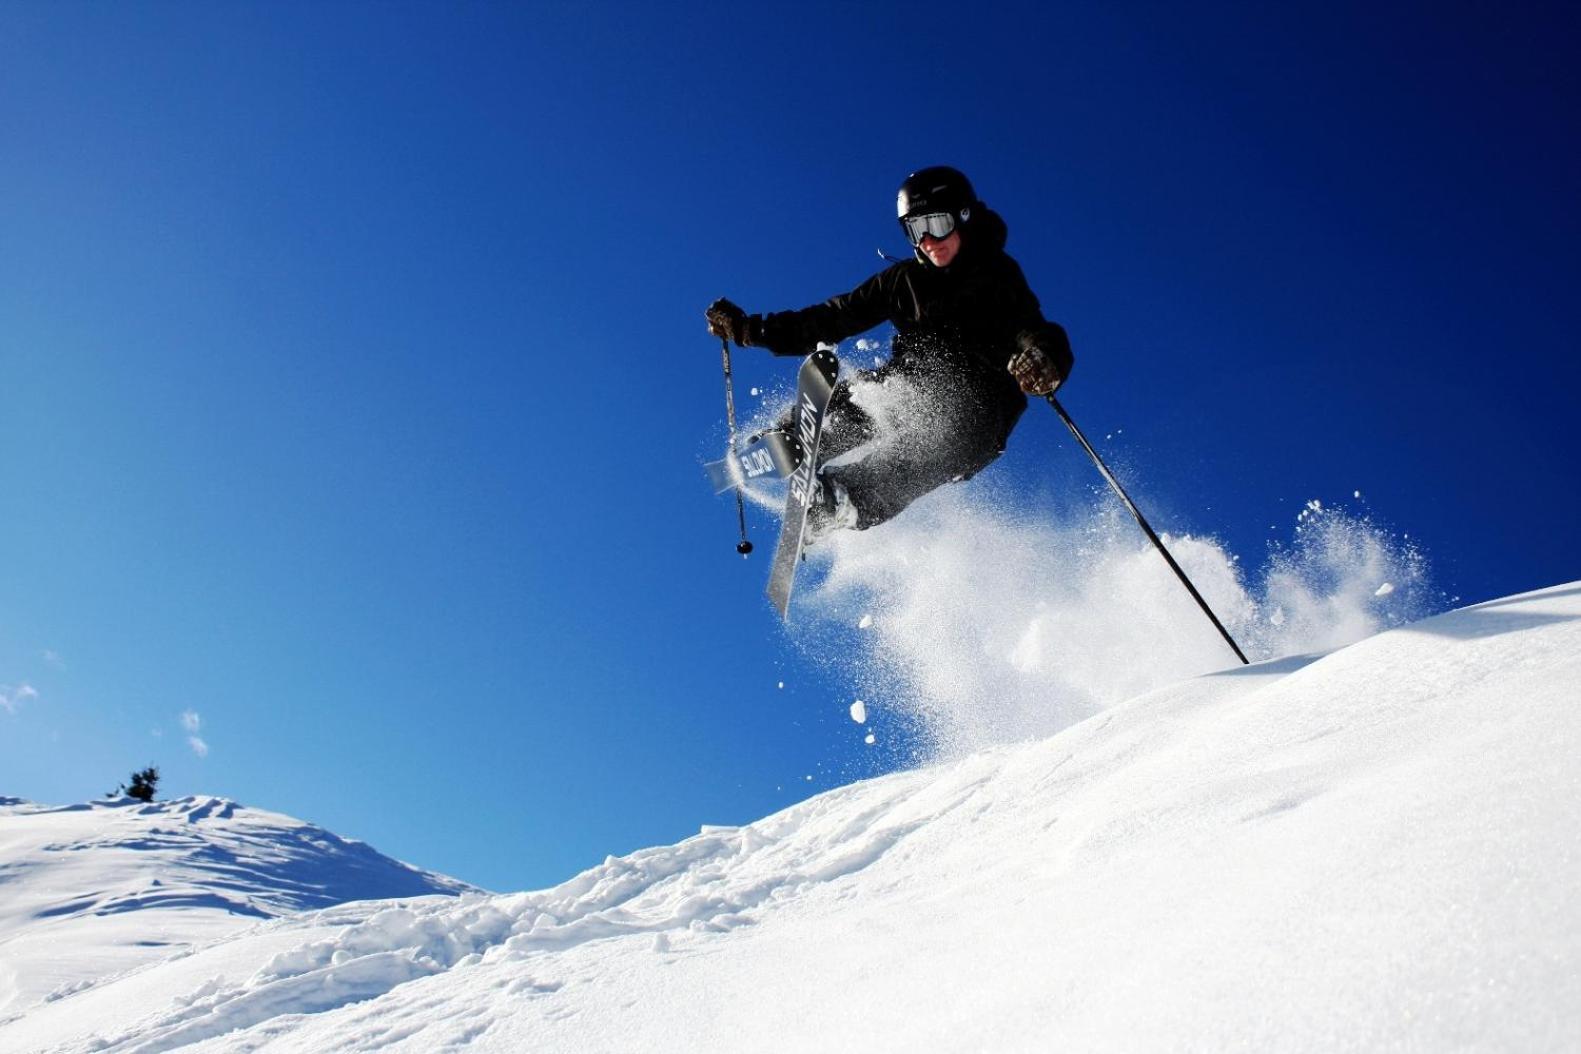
(711, 883)
(1379, 843)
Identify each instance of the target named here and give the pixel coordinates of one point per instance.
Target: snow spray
(978, 626)
(976, 620)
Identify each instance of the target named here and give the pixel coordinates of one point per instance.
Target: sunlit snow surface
(1372, 850)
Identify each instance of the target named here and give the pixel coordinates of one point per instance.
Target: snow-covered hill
(88, 891)
(1377, 849)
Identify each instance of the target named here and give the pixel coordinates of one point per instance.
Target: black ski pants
(944, 429)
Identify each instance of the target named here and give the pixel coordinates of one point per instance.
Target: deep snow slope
(1378, 849)
(89, 890)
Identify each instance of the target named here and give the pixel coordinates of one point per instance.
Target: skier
(970, 344)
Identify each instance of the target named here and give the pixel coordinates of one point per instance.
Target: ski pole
(1146, 528)
(743, 547)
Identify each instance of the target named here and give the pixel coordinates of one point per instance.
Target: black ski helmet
(936, 189)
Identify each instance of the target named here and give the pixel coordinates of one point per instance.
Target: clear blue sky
(354, 380)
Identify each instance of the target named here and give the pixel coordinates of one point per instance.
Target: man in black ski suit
(970, 344)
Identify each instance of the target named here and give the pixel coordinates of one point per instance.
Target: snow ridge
(101, 887)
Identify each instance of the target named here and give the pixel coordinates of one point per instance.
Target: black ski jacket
(966, 320)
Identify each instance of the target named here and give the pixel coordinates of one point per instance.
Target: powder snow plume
(978, 623)
(978, 620)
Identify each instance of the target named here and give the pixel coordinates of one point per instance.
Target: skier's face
(940, 251)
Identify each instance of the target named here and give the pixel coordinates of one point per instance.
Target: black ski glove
(728, 322)
(1035, 371)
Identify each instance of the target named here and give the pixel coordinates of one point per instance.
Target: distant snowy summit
(95, 889)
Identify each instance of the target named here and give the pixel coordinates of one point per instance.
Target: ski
(770, 454)
(814, 385)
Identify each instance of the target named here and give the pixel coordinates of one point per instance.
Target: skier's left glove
(728, 322)
(1035, 371)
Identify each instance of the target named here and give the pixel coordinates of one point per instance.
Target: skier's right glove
(728, 322)
(1035, 371)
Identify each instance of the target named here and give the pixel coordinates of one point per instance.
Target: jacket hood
(987, 232)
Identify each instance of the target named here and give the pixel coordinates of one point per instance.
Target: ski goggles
(937, 224)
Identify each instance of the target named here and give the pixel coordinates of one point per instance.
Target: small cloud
(191, 722)
(52, 658)
(13, 697)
